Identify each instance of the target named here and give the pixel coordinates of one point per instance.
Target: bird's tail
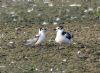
(30, 41)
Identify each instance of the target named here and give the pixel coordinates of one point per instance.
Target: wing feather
(67, 35)
(32, 40)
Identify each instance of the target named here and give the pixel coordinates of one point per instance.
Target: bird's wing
(32, 40)
(37, 36)
(67, 35)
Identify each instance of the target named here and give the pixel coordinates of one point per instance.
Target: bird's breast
(59, 38)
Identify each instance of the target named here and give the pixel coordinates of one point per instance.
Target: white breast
(62, 39)
(59, 38)
(41, 39)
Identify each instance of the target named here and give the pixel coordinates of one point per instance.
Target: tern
(37, 39)
(62, 36)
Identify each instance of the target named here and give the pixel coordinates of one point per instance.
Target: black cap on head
(61, 27)
(40, 29)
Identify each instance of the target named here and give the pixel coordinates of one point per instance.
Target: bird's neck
(42, 33)
(59, 33)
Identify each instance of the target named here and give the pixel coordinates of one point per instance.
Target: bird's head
(42, 30)
(59, 28)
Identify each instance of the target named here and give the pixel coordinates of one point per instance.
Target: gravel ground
(83, 56)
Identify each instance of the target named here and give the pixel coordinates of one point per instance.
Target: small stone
(2, 66)
(64, 60)
(55, 23)
(12, 62)
(57, 19)
(50, 4)
(44, 23)
(63, 71)
(78, 52)
(36, 69)
(74, 43)
(51, 69)
(11, 42)
(24, 32)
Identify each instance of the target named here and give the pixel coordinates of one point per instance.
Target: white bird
(62, 36)
(37, 39)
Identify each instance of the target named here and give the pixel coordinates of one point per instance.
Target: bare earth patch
(83, 56)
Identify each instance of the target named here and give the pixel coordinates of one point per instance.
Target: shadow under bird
(62, 36)
(37, 39)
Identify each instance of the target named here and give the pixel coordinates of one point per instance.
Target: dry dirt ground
(83, 56)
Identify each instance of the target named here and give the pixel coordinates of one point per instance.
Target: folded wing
(68, 35)
(32, 40)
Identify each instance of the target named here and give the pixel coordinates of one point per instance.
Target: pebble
(57, 19)
(12, 62)
(11, 42)
(78, 52)
(55, 23)
(36, 69)
(51, 5)
(74, 43)
(51, 69)
(64, 60)
(98, 38)
(2, 66)
(63, 71)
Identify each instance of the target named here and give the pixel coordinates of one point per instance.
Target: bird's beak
(45, 29)
(54, 29)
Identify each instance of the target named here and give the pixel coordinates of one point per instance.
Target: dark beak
(54, 29)
(45, 29)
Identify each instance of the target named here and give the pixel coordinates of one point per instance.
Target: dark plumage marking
(68, 35)
(63, 33)
(61, 27)
(40, 29)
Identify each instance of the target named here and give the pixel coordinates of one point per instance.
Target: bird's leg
(69, 44)
(61, 46)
